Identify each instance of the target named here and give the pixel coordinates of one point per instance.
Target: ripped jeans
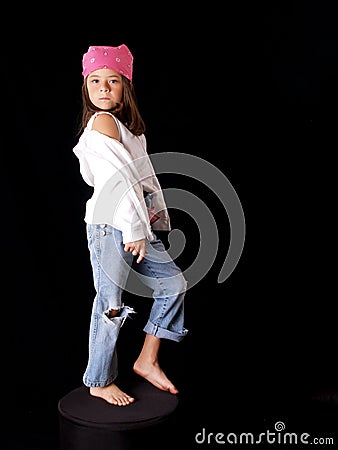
(112, 267)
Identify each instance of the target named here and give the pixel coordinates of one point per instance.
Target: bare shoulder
(105, 124)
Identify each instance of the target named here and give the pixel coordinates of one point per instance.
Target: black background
(250, 88)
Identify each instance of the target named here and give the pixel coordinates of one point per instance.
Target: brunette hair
(126, 111)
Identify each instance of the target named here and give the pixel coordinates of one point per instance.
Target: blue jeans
(111, 267)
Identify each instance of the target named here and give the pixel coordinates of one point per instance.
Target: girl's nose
(104, 87)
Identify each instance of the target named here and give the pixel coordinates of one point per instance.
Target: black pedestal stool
(90, 423)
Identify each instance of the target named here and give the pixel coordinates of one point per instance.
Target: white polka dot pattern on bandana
(118, 58)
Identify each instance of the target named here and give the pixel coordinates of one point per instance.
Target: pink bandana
(118, 58)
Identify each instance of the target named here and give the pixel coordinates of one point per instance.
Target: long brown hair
(126, 111)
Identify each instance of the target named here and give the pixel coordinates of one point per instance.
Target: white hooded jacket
(120, 173)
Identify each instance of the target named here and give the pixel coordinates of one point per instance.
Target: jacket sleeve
(151, 184)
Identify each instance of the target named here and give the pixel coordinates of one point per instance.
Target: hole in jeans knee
(112, 313)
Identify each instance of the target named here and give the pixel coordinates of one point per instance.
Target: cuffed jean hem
(88, 383)
(162, 333)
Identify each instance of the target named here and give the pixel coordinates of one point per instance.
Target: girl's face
(105, 88)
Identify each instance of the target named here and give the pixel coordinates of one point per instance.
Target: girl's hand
(136, 248)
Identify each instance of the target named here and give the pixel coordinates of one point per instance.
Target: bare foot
(155, 375)
(112, 394)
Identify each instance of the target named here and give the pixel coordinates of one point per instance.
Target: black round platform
(90, 423)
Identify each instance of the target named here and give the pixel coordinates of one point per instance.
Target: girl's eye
(94, 81)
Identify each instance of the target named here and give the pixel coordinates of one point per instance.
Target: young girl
(127, 206)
